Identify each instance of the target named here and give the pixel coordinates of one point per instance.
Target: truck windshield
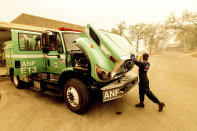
(69, 38)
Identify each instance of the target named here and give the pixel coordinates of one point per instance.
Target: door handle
(17, 64)
(48, 62)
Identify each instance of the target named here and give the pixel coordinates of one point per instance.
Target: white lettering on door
(23, 70)
(23, 63)
(34, 69)
(28, 67)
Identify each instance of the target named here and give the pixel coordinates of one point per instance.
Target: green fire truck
(72, 62)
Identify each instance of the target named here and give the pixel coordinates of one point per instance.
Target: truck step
(48, 81)
(51, 81)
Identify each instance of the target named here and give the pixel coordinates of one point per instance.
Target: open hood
(105, 51)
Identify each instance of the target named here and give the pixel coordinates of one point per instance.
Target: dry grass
(194, 55)
(189, 51)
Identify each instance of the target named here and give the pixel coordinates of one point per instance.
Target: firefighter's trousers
(144, 89)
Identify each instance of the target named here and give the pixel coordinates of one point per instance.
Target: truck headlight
(127, 66)
(102, 74)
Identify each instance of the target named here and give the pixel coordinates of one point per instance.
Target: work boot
(141, 105)
(161, 105)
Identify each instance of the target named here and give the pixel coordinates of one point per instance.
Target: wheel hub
(15, 80)
(72, 96)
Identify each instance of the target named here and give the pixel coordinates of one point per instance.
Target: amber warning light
(67, 29)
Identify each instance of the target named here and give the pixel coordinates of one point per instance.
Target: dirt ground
(173, 79)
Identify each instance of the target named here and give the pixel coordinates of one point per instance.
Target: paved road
(172, 78)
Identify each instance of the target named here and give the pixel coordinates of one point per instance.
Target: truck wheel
(76, 95)
(16, 81)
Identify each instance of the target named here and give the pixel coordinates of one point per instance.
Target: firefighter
(37, 45)
(144, 82)
(53, 43)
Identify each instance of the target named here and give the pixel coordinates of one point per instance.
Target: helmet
(145, 56)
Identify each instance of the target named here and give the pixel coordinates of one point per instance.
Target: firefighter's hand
(140, 58)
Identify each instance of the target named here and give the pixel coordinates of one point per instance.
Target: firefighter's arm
(136, 61)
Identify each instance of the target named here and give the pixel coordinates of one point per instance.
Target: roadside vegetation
(154, 38)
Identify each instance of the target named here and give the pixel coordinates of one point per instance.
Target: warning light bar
(67, 29)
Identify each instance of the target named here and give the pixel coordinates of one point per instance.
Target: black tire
(73, 89)
(16, 81)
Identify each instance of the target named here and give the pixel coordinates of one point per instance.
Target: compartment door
(27, 54)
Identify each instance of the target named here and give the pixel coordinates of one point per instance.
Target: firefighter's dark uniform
(144, 81)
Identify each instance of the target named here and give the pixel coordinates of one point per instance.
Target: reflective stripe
(27, 56)
(34, 56)
(7, 56)
(54, 56)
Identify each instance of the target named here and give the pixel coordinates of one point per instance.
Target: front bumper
(119, 87)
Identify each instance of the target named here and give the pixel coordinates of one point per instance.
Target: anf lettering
(111, 93)
(28, 63)
(28, 67)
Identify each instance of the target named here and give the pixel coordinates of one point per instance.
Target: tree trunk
(156, 48)
(150, 49)
(137, 46)
(145, 45)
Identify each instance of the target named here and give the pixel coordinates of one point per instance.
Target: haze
(103, 14)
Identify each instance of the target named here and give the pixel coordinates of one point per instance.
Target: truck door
(56, 57)
(27, 54)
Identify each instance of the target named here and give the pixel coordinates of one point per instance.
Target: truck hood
(117, 45)
(99, 46)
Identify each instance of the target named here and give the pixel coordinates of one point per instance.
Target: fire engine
(73, 62)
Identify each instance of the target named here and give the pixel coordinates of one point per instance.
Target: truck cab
(71, 62)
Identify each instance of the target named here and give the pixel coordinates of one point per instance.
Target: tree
(152, 35)
(162, 37)
(119, 29)
(149, 33)
(186, 39)
(136, 33)
(184, 28)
